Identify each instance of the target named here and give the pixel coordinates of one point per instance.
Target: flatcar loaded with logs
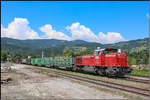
(107, 62)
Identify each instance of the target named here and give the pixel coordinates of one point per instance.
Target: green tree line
(68, 52)
(136, 58)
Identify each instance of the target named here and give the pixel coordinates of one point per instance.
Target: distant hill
(54, 47)
(131, 45)
(40, 43)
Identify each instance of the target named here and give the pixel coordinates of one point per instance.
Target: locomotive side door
(102, 60)
(97, 58)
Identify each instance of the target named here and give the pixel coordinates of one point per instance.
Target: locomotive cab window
(97, 52)
(109, 50)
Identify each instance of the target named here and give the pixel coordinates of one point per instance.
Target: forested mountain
(53, 47)
(39, 43)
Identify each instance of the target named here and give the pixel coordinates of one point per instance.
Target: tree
(82, 53)
(3, 55)
(140, 57)
(67, 51)
(133, 61)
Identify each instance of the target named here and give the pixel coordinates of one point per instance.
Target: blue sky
(128, 19)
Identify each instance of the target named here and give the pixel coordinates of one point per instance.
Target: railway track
(126, 88)
(132, 79)
(136, 80)
(138, 76)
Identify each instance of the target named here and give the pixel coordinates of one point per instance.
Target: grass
(143, 72)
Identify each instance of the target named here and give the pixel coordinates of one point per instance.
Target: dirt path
(41, 86)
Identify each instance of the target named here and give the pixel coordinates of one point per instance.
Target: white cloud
(53, 34)
(3, 31)
(19, 29)
(110, 37)
(81, 32)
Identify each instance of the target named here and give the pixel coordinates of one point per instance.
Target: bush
(143, 72)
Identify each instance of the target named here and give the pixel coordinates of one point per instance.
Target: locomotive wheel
(78, 69)
(75, 69)
(100, 72)
(111, 72)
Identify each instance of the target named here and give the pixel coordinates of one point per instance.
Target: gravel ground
(117, 80)
(41, 86)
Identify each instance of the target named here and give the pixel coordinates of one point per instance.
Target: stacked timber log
(140, 67)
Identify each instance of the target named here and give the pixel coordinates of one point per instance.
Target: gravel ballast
(41, 86)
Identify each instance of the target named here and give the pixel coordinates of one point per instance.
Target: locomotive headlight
(119, 55)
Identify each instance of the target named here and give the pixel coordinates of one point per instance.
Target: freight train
(106, 62)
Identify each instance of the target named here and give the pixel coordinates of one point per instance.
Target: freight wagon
(62, 62)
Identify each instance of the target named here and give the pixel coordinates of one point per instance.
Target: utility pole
(42, 54)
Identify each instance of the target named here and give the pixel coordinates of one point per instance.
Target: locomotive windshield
(110, 50)
(105, 51)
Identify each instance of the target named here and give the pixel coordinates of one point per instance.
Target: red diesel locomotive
(109, 62)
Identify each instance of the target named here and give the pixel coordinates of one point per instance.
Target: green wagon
(62, 62)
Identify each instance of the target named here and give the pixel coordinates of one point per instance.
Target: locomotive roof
(110, 49)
